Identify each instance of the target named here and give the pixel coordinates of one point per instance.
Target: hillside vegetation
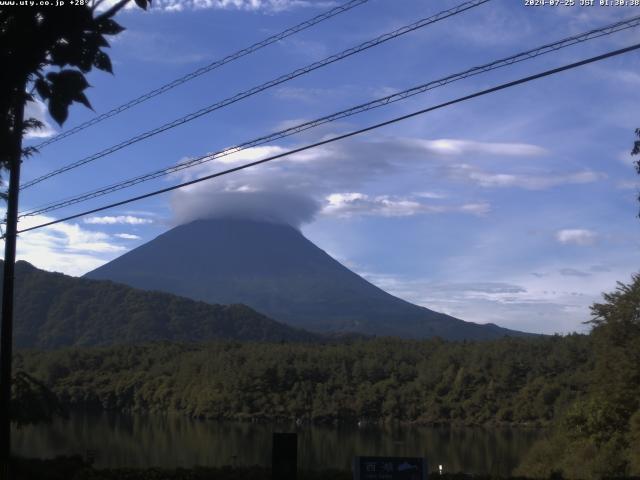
(586, 388)
(53, 310)
(599, 435)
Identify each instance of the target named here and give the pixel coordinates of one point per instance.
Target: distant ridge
(276, 270)
(54, 310)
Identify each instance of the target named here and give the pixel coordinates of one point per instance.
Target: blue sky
(518, 208)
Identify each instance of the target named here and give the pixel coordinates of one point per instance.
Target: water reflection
(142, 441)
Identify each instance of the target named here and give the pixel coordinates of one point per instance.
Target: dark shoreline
(75, 468)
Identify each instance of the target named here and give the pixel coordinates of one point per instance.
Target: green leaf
(100, 40)
(103, 62)
(67, 87)
(43, 88)
(107, 26)
(58, 110)
(68, 82)
(84, 62)
(82, 98)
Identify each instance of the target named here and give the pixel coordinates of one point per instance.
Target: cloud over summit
(336, 179)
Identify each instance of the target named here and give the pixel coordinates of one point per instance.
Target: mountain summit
(276, 270)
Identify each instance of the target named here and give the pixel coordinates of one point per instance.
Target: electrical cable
(205, 69)
(497, 88)
(527, 55)
(253, 91)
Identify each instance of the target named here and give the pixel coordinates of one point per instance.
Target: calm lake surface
(144, 441)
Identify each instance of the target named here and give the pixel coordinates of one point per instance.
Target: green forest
(55, 310)
(507, 381)
(584, 388)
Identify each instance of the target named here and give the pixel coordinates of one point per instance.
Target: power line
(502, 86)
(206, 69)
(272, 83)
(527, 55)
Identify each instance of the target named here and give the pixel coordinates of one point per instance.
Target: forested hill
(55, 310)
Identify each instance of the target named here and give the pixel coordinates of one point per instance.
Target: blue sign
(389, 468)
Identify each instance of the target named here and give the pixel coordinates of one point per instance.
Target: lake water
(173, 441)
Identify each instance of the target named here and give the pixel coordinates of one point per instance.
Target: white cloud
(577, 236)
(249, 5)
(64, 247)
(590, 17)
(346, 92)
(628, 185)
(295, 188)
(353, 204)
(302, 94)
(510, 305)
(119, 219)
(475, 208)
(350, 204)
(431, 195)
(498, 26)
(625, 158)
(38, 110)
(252, 5)
(165, 48)
(447, 146)
(127, 236)
(556, 301)
(536, 181)
(489, 288)
(627, 76)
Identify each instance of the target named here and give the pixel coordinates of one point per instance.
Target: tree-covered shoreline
(525, 382)
(585, 387)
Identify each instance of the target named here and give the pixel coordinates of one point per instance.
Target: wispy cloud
(431, 195)
(590, 17)
(296, 188)
(628, 185)
(252, 5)
(557, 301)
(166, 48)
(498, 27)
(576, 236)
(309, 95)
(450, 146)
(127, 236)
(249, 5)
(119, 219)
(533, 181)
(347, 92)
(573, 272)
(354, 204)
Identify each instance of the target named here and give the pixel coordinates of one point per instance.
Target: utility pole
(6, 328)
